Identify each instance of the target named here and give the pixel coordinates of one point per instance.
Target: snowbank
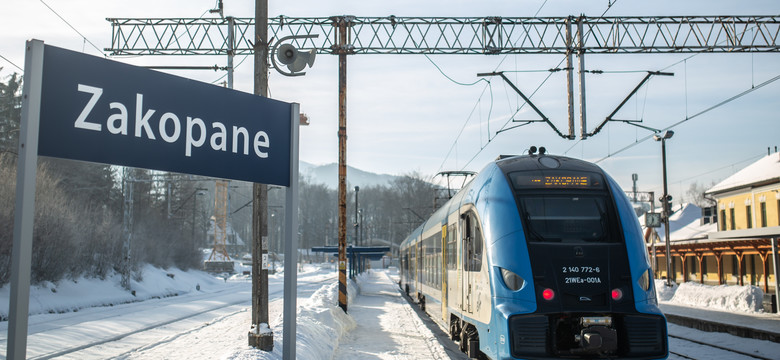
(663, 292)
(320, 326)
(73, 295)
(747, 299)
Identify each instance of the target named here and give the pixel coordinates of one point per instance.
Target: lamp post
(361, 227)
(199, 191)
(357, 190)
(665, 202)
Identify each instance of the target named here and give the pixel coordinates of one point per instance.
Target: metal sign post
(21, 255)
(291, 243)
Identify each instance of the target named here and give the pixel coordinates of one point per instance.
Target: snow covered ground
(194, 315)
(744, 299)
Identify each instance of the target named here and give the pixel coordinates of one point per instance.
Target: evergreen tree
(10, 112)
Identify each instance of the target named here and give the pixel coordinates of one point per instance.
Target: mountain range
(328, 174)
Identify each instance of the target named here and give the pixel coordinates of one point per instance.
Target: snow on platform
(387, 326)
(379, 324)
(726, 308)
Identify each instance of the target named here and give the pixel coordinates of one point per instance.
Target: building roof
(767, 169)
(685, 224)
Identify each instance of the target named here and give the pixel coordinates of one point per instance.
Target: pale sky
(404, 115)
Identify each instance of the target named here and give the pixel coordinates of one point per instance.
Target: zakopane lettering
(169, 128)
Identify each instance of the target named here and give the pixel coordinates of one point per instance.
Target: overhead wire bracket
(631, 94)
(529, 102)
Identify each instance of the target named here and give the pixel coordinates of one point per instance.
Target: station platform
(754, 326)
(388, 327)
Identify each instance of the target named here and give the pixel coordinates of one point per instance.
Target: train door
(468, 276)
(443, 271)
(453, 259)
(420, 265)
(462, 262)
(472, 259)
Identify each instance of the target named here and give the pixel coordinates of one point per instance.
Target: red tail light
(548, 294)
(617, 294)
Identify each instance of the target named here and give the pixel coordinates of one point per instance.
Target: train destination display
(556, 180)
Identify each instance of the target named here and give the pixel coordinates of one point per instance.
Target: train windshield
(568, 219)
(561, 206)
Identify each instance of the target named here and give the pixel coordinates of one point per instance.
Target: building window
(731, 219)
(763, 214)
(723, 220)
(704, 265)
(748, 217)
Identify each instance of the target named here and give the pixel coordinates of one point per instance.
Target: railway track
(216, 308)
(728, 353)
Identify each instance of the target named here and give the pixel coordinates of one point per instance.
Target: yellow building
(751, 197)
(742, 248)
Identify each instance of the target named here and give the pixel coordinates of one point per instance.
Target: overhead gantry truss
(446, 35)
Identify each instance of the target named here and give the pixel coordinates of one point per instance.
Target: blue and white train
(538, 257)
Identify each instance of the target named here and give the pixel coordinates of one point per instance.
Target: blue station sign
(98, 110)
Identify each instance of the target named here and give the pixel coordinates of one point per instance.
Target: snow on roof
(692, 230)
(686, 215)
(685, 224)
(765, 169)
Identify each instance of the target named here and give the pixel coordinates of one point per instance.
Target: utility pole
(127, 225)
(652, 235)
(581, 58)
(260, 336)
(569, 76)
(342, 24)
(665, 204)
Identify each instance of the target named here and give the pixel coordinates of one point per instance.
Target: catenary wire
(684, 61)
(12, 63)
(468, 118)
(609, 6)
(751, 158)
(694, 116)
(74, 29)
(455, 143)
(451, 79)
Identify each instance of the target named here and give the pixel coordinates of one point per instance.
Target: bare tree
(695, 195)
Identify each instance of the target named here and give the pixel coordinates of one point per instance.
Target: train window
(452, 250)
(472, 244)
(431, 261)
(567, 219)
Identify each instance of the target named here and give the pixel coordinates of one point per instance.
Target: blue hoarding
(98, 110)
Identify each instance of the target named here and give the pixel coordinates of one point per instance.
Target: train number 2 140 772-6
(580, 269)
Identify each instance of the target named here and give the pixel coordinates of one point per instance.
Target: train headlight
(644, 280)
(512, 281)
